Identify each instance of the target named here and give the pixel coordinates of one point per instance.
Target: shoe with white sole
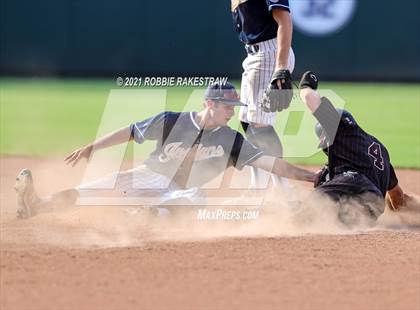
(26, 196)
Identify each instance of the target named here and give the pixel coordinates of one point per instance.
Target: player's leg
(65, 198)
(137, 186)
(164, 198)
(266, 139)
(181, 201)
(359, 210)
(358, 200)
(30, 204)
(258, 70)
(248, 95)
(132, 183)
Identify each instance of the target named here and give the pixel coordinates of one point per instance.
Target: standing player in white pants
(265, 28)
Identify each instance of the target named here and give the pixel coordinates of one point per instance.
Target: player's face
(223, 113)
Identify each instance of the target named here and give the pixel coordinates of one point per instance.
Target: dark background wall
(144, 37)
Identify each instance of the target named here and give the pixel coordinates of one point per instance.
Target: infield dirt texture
(107, 257)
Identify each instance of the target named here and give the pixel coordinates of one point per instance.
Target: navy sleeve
(393, 181)
(243, 152)
(149, 129)
(279, 4)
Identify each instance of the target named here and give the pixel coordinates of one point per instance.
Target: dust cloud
(125, 226)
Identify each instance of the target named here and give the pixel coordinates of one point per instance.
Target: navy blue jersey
(176, 133)
(352, 149)
(253, 20)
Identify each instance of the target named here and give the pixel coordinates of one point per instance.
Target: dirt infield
(113, 258)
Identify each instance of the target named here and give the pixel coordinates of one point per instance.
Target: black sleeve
(393, 181)
(328, 117)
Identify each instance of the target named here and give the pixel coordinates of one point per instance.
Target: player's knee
(266, 139)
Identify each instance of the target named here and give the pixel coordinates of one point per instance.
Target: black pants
(352, 190)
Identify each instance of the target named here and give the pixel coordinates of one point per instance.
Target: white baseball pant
(258, 70)
(138, 186)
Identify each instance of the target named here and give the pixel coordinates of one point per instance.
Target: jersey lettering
(175, 151)
(375, 152)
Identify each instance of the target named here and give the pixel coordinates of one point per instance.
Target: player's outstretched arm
(273, 99)
(119, 136)
(282, 168)
(308, 86)
(284, 37)
(311, 98)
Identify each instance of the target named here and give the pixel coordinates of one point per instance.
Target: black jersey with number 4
(352, 149)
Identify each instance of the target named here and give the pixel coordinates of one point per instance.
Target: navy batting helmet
(224, 93)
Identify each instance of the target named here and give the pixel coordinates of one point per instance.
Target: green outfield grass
(52, 117)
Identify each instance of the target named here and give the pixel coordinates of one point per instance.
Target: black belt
(252, 49)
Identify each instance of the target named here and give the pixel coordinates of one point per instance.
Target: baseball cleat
(26, 196)
(308, 80)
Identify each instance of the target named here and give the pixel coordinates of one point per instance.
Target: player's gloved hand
(279, 93)
(321, 176)
(308, 80)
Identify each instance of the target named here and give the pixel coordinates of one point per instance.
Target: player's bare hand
(317, 177)
(321, 176)
(396, 199)
(78, 154)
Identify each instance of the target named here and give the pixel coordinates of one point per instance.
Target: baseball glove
(277, 98)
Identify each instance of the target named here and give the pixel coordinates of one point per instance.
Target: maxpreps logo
(321, 17)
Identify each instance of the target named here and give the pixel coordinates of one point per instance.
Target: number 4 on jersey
(375, 152)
